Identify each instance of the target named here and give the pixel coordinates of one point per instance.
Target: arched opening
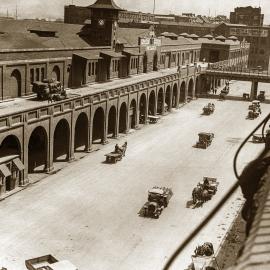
(98, 126)
(61, 141)
(112, 122)
(155, 62)
(160, 103)
(9, 147)
(143, 109)
(145, 63)
(81, 133)
(37, 150)
(182, 96)
(190, 88)
(123, 118)
(168, 98)
(174, 97)
(56, 73)
(152, 103)
(132, 114)
(15, 89)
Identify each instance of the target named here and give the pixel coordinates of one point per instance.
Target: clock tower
(104, 18)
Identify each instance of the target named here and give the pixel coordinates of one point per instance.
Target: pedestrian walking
(215, 91)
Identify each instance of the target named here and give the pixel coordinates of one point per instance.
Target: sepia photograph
(135, 135)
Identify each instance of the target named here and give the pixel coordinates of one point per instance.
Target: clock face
(101, 22)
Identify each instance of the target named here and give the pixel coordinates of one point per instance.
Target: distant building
(247, 15)
(257, 36)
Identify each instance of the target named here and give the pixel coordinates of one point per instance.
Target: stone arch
(112, 119)
(81, 133)
(168, 97)
(56, 74)
(133, 114)
(10, 146)
(190, 87)
(174, 96)
(98, 126)
(37, 150)
(182, 96)
(143, 108)
(123, 118)
(152, 103)
(160, 103)
(61, 141)
(15, 89)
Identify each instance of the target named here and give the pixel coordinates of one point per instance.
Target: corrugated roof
(17, 36)
(88, 55)
(112, 54)
(132, 52)
(131, 36)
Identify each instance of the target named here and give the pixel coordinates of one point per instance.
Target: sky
(55, 8)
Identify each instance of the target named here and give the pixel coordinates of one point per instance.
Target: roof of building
(88, 55)
(130, 36)
(105, 4)
(112, 54)
(220, 37)
(16, 34)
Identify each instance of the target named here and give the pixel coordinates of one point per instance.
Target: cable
(244, 142)
(219, 205)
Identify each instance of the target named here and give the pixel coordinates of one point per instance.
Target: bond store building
(88, 59)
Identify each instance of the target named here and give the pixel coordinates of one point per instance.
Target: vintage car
(205, 139)
(153, 119)
(117, 154)
(252, 114)
(258, 138)
(49, 90)
(158, 199)
(204, 190)
(209, 108)
(48, 262)
(255, 104)
(261, 96)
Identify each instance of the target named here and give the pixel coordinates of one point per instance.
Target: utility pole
(154, 7)
(16, 14)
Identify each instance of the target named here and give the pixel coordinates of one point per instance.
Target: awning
(18, 164)
(88, 55)
(132, 52)
(112, 54)
(4, 170)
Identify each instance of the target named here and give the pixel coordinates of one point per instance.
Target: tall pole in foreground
(154, 7)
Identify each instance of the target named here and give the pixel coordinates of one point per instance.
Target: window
(37, 74)
(42, 74)
(32, 74)
(93, 69)
(89, 69)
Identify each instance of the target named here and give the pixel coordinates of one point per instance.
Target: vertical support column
(49, 166)
(105, 125)
(254, 90)
(90, 128)
(72, 136)
(170, 101)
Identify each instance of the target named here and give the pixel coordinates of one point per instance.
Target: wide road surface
(87, 212)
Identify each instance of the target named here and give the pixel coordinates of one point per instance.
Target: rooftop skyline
(55, 8)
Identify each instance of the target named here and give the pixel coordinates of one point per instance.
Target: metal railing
(225, 198)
